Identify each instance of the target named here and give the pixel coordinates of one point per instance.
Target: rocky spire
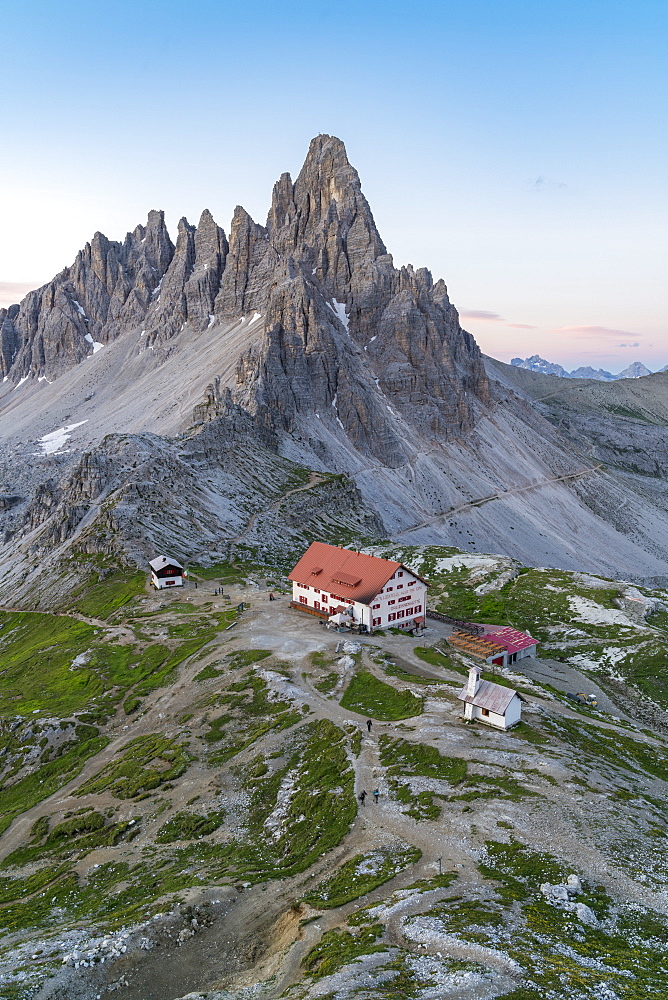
(248, 271)
(324, 220)
(187, 292)
(211, 249)
(105, 292)
(346, 335)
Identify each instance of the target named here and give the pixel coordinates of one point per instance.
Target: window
(412, 583)
(400, 586)
(391, 602)
(417, 609)
(406, 598)
(376, 621)
(400, 574)
(400, 614)
(316, 605)
(485, 711)
(315, 590)
(391, 617)
(389, 589)
(303, 600)
(375, 606)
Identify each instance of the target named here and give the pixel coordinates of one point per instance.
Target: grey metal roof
(494, 697)
(161, 561)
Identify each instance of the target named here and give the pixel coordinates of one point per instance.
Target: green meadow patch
(189, 826)
(144, 764)
(370, 696)
(405, 759)
(362, 874)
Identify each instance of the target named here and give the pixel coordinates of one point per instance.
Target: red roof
(344, 573)
(511, 638)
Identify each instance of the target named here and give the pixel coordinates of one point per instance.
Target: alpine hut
(166, 572)
(375, 592)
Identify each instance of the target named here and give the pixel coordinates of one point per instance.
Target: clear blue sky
(516, 149)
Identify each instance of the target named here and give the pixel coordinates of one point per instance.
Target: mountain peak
(537, 364)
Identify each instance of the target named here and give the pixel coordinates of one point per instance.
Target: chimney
(473, 681)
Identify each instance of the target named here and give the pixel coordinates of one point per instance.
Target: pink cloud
(607, 332)
(522, 326)
(490, 317)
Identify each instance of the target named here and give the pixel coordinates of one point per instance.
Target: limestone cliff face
(106, 291)
(348, 338)
(347, 335)
(189, 287)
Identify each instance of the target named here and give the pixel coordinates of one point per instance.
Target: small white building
(493, 704)
(329, 580)
(166, 572)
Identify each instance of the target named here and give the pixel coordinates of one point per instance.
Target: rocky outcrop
(105, 292)
(347, 336)
(220, 493)
(187, 291)
(248, 276)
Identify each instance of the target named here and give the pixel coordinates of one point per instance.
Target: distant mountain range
(538, 364)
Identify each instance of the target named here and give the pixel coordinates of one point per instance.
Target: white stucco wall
(512, 716)
(166, 583)
(365, 613)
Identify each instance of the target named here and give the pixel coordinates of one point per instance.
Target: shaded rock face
(347, 336)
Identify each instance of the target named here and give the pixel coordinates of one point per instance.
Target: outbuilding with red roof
(517, 644)
(376, 592)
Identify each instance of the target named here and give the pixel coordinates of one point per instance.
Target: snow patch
(212, 320)
(339, 310)
(20, 382)
(79, 308)
(53, 442)
(96, 346)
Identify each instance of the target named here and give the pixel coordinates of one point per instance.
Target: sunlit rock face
(345, 332)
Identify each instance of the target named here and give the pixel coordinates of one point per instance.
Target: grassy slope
(544, 602)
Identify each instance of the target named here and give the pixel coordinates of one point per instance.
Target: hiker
(376, 793)
(362, 796)
(271, 597)
(369, 724)
(195, 584)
